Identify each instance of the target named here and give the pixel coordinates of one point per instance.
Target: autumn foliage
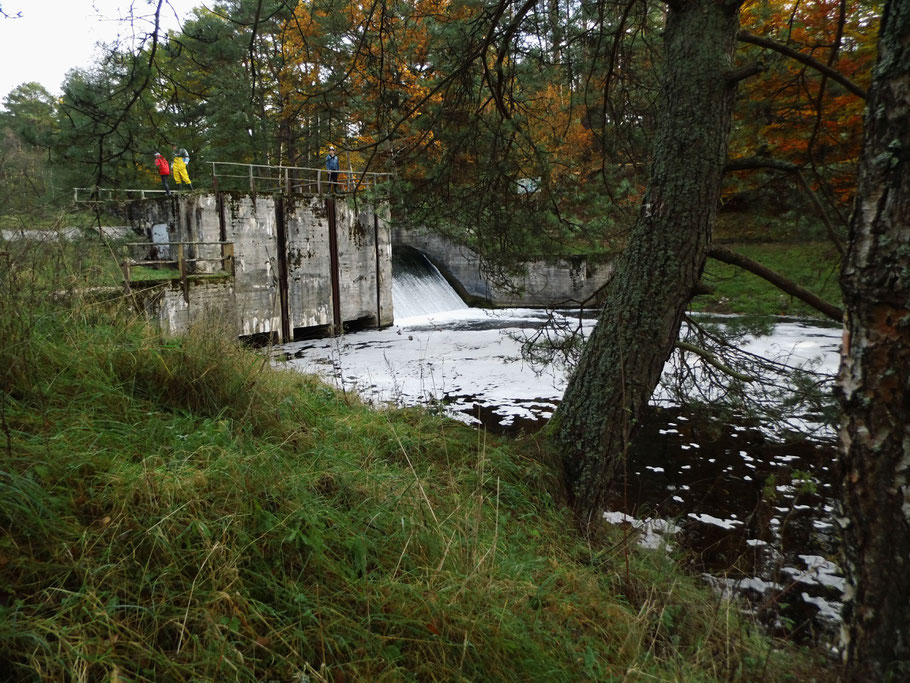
(524, 126)
(793, 113)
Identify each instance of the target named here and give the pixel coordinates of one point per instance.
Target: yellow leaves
(559, 124)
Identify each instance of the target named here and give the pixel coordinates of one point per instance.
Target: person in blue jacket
(331, 164)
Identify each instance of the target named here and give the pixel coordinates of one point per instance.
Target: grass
(814, 265)
(47, 218)
(180, 510)
(91, 260)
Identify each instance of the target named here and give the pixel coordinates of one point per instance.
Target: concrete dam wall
(542, 284)
(270, 267)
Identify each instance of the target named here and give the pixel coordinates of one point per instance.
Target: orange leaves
(791, 111)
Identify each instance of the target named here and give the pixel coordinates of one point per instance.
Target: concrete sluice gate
(268, 267)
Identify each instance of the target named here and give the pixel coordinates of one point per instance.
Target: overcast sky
(54, 36)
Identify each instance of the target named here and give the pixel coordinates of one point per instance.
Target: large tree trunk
(654, 279)
(874, 381)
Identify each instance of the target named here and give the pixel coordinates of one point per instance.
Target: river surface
(752, 510)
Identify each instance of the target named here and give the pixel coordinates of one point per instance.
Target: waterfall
(418, 288)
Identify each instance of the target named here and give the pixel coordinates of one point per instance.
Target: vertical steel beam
(334, 265)
(378, 285)
(181, 265)
(222, 225)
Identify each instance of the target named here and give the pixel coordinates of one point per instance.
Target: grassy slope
(794, 245)
(181, 511)
(814, 265)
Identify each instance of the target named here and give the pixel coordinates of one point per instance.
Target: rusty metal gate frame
(337, 327)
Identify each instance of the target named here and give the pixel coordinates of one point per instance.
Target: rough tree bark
(656, 275)
(874, 380)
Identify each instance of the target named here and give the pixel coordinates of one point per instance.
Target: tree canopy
(519, 127)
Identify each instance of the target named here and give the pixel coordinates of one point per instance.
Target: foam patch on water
(716, 521)
(654, 532)
(445, 356)
(818, 571)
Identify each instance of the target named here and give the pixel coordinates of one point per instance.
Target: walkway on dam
(255, 179)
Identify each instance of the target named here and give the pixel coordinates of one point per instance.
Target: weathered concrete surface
(365, 259)
(210, 301)
(309, 262)
(543, 284)
(278, 242)
(67, 234)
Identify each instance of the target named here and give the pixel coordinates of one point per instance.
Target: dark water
(755, 516)
(754, 513)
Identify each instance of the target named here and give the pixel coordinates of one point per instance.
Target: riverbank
(176, 510)
(813, 265)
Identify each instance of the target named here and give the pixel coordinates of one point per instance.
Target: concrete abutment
(538, 284)
(302, 265)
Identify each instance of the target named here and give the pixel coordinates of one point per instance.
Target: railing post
(252, 181)
(125, 267)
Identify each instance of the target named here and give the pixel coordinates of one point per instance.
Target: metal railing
(158, 255)
(254, 178)
(88, 195)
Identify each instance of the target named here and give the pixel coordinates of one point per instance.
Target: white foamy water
(441, 351)
(472, 357)
(466, 356)
(418, 289)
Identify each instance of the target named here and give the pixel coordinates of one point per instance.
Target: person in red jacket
(163, 170)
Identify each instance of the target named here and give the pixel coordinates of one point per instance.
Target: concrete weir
(268, 267)
(540, 283)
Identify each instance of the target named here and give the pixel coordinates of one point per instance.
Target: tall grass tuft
(180, 510)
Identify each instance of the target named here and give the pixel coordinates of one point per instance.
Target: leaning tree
(660, 269)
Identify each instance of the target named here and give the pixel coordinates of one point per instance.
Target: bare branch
(713, 360)
(833, 74)
(752, 163)
(744, 72)
(729, 256)
(702, 288)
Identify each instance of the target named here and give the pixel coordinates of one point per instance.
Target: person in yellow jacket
(178, 169)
